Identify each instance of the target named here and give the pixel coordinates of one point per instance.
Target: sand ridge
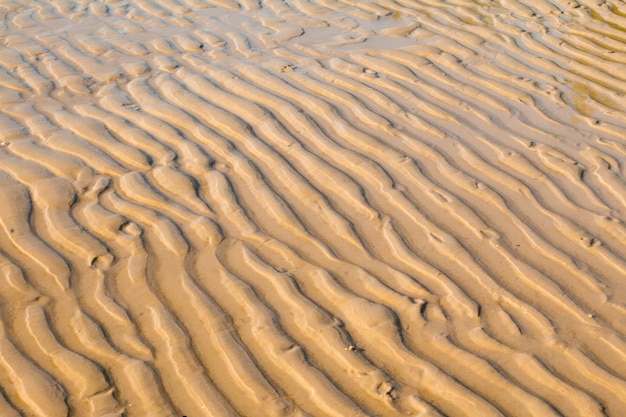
(312, 208)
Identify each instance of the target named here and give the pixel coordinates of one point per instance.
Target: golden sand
(328, 208)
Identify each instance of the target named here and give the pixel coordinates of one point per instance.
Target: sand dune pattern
(312, 208)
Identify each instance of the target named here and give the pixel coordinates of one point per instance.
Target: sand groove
(312, 208)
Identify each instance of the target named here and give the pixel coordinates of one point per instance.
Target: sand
(329, 208)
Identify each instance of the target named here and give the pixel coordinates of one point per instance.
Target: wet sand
(328, 208)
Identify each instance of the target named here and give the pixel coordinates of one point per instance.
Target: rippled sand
(329, 208)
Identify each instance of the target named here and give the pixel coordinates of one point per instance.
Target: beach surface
(323, 208)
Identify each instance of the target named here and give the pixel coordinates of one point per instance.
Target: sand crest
(328, 208)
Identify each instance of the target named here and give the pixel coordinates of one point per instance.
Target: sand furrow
(159, 325)
(32, 394)
(50, 273)
(81, 379)
(312, 208)
(310, 320)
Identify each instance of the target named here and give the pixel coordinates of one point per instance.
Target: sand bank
(328, 208)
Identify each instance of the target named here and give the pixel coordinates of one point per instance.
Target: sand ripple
(312, 208)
